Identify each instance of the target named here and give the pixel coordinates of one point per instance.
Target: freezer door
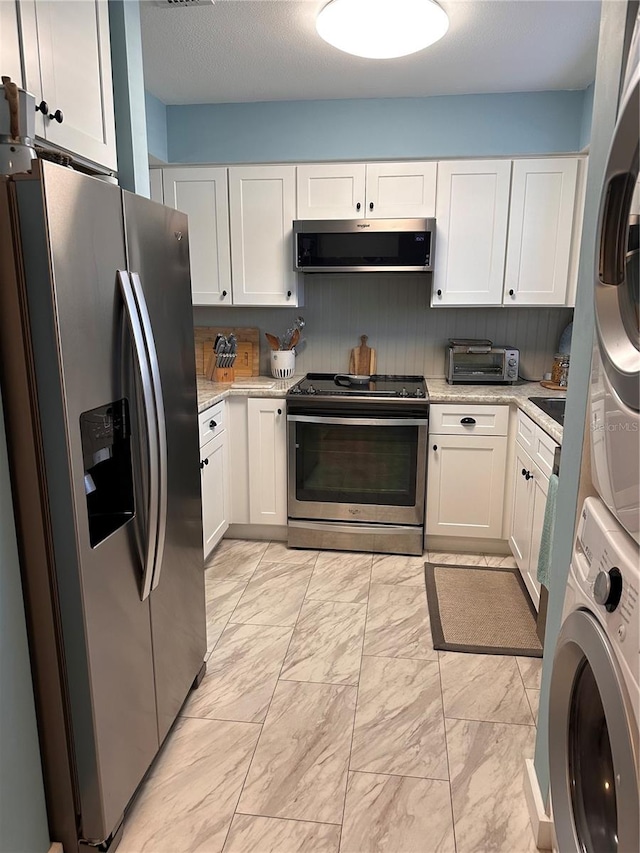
(72, 236)
(158, 262)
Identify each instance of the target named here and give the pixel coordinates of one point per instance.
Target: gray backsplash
(393, 310)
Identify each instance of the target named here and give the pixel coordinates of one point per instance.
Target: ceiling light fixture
(382, 29)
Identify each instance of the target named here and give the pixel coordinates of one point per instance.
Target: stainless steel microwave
(364, 245)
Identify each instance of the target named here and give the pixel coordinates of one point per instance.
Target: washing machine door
(593, 744)
(617, 303)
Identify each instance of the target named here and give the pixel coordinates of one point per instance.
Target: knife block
(224, 374)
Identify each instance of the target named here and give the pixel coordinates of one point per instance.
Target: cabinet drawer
(211, 422)
(526, 433)
(544, 449)
(462, 419)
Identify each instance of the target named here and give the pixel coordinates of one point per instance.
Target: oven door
(370, 469)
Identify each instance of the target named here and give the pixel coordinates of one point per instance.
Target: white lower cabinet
(214, 468)
(267, 435)
(466, 472)
(530, 487)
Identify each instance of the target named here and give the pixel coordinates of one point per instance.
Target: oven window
(356, 464)
(485, 363)
(591, 770)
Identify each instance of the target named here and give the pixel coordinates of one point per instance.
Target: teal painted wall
(370, 129)
(612, 29)
(129, 95)
(23, 817)
(156, 127)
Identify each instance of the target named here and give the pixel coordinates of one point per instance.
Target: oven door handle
(383, 422)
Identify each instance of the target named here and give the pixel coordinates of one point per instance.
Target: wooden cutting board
(363, 359)
(248, 357)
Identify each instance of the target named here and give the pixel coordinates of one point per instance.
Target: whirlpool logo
(363, 225)
(354, 511)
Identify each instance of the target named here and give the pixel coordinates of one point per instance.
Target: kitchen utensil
(274, 342)
(347, 379)
(283, 364)
(363, 359)
(295, 337)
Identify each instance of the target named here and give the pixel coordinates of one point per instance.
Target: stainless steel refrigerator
(98, 380)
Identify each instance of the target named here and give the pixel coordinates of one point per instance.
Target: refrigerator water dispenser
(108, 474)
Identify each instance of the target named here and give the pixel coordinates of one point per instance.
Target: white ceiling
(243, 50)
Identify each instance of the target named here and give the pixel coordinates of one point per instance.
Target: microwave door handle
(144, 374)
(160, 427)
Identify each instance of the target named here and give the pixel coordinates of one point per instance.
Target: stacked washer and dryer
(594, 701)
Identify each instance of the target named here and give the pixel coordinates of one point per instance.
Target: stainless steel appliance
(357, 463)
(470, 360)
(364, 245)
(99, 386)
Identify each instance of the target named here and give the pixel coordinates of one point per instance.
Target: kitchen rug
(480, 610)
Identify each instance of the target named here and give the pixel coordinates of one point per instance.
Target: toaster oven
(479, 361)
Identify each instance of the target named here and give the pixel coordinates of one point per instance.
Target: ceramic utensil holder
(283, 362)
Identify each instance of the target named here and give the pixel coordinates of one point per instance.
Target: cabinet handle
(212, 424)
(435, 446)
(358, 206)
(524, 471)
(224, 293)
(528, 476)
(370, 205)
(511, 292)
(468, 421)
(288, 294)
(279, 411)
(201, 465)
(439, 292)
(206, 461)
(43, 107)
(58, 116)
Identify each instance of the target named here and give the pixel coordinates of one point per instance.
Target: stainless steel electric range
(357, 463)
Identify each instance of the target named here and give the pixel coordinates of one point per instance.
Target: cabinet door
(10, 42)
(472, 209)
(215, 491)
(520, 538)
(155, 185)
(75, 70)
(543, 194)
(465, 485)
(262, 208)
(396, 190)
(267, 426)
(540, 487)
(331, 191)
(202, 195)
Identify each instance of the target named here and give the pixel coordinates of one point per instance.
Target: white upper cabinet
(372, 191)
(68, 67)
(397, 190)
(472, 210)
(331, 191)
(202, 195)
(543, 195)
(262, 205)
(10, 42)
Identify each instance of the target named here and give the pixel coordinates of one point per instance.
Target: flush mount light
(382, 29)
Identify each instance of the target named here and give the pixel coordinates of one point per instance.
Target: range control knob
(419, 392)
(403, 393)
(512, 362)
(311, 389)
(607, 589)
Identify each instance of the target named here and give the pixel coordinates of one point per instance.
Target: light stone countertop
(516, 395)
(210, 393)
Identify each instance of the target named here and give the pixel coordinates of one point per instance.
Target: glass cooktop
(340, 385)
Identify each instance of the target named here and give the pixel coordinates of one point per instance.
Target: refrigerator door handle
(160, 424)
(144, 372)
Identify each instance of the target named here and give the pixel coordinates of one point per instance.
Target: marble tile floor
(327, 722)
